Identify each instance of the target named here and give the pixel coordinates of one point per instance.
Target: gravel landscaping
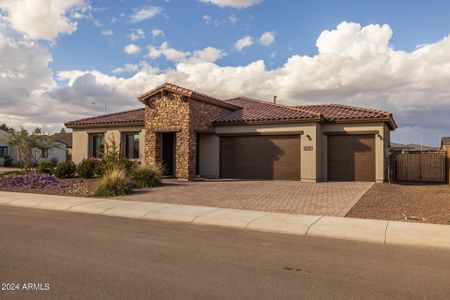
(77, 187)
(399, 201)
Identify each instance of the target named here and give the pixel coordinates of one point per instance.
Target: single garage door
(351, 157)
(260, 157)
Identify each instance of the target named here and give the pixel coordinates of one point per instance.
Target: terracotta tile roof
(127, 118)
(64, 137)
(243, 110)
(189, 93)
(254, 110)
(340, 112)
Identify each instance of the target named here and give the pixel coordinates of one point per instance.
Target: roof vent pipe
(275, 99)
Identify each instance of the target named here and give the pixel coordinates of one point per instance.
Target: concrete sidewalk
(378, 231)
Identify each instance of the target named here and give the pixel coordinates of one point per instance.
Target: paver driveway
(327, 198)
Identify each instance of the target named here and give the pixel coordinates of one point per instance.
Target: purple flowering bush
(32, 181)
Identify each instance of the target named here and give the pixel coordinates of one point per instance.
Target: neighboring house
(412, 148)
(194, 134)
(445, 143)
(58, 152)
(66, 139)
(5, 148)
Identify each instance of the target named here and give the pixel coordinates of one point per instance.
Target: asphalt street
(60, 255)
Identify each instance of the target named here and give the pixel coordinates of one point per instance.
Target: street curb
(365, 230)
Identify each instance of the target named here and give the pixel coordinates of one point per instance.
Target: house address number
(308, 148)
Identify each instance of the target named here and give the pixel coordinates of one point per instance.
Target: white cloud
(136, 34)
(164, 49)
(107, 32)
(157, 32)
(25, 80)
(43, 19)
(127, 68)
(233, 19)
(145, 13)
(131, 49)
(153, 52)
(240, 44)
(267, 38)
(211, 21)
(354, 65)
(98, 23)
(232, 3)
(209, 54)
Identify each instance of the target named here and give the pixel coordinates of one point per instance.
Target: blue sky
(58, 57)
(297, 24)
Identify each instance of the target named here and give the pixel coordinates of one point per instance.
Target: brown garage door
(351, 157)
(260, 157)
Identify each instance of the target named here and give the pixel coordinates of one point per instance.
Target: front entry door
(168, 153)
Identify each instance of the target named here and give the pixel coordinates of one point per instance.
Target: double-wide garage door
(260, 157)
(351, 157)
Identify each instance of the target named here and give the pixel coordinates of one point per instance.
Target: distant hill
(413, 147)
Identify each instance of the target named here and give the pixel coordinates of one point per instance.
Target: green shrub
(129, 165)
(113, 183)
(112, 160)
(146, 176)
(8, 161)
(65, 169)
(86, 168)
(46, 166)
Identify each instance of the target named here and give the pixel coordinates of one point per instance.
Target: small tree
(112, 159)
(26, 143)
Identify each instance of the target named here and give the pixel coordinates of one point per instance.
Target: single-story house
(195, 135)
(66, 139)
(5, 149)
(445, 143)
(57, 153)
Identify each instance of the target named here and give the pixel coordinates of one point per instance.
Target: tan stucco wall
(81, 140)
(209, 156)
(314, 163)
(355, 127)
(309, 159)
(80, 145)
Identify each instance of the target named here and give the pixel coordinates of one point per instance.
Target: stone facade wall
(168, 113)
(184, 116)
(201, 115)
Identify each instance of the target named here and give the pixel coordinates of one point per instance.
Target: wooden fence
(426, 167)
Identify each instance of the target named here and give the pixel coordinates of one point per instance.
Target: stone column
(150, 148)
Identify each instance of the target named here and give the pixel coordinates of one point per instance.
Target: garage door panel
(261, 157)
(351, 158)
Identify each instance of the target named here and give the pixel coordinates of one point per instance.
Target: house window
(131, 144)
(98, 145)
(44, 152)
(3, 151)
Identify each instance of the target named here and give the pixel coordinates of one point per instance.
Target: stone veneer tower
(184, 113)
